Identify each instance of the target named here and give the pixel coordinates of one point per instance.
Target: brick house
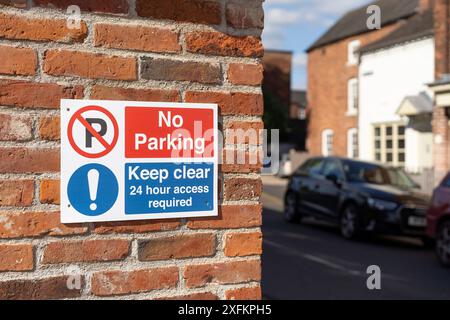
(441, 88)
(333, 67)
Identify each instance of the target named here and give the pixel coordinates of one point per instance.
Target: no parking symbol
(100, 131)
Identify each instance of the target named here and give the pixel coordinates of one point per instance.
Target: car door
(329, 191)
(310, 186)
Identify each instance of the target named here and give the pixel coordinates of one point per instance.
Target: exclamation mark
(93, 176)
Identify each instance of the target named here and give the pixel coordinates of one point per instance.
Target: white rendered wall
(386, 77)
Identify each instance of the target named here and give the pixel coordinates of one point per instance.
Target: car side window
(332, 167)
(447, 182)
(315, 167)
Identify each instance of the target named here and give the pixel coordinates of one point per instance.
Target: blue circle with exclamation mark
(93, 189)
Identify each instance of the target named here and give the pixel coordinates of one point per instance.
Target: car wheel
(443, 244)
(291, 208)
(350, 222)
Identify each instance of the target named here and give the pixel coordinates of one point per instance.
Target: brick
(49, 192)
(244, 132)
(222, 273)
(177, 247)
(49, 128)
(17, 61)
(29, 160)
(136, 226)
(89, 65)
(245, 15)
(15, 3)
(245, 74)
(130, 94)
(215, 43)
(86, 251)
(197, 11)
(17, 193)
(15, 128)
(244, 294)
(178, 70)
(240, 161)
(16, 257)
(234, 103)
(237, 189)
(38, 289)
(136, 38)
(230, 217)
(243, 244)
(110, 6)
(125, 282)
(21, 28)
(205, 296)
(35, 224)
(36, 95)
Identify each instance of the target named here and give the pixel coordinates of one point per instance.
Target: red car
(439, 221)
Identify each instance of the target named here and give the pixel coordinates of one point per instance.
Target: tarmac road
(312, 261)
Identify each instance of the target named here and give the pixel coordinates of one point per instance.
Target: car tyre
(350, 224)
(443, 244)
(291, 213)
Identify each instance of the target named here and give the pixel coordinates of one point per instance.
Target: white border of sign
(115, 161)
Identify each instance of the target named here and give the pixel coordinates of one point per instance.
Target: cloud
(280, 16)
(300, 60)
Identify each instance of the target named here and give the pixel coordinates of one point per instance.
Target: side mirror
(333, 178)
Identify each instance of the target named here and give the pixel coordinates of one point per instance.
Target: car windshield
(371, 173)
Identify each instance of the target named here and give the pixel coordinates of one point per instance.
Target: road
(312, 261)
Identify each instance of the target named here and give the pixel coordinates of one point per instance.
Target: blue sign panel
(152, 188)
(92, 190)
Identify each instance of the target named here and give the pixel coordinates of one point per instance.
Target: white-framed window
(327, 142)
(390, 143)
(352, 96)
(352, 143)
(353, 56)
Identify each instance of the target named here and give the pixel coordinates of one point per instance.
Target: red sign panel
(169, 133)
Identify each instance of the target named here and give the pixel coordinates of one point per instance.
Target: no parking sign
(124, 160)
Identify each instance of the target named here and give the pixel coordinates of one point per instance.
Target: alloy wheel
(443, 244)
(349, 222)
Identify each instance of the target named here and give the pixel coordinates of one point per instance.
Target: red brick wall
(440, 120)
(159, 50)
(328, 76)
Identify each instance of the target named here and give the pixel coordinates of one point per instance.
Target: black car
(359, 196)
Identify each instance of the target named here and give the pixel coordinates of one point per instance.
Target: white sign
(124, 160)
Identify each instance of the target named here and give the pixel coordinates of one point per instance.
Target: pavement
(312, 261)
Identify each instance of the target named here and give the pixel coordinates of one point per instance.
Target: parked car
(285, 166)
(439, 221)
(359, 196)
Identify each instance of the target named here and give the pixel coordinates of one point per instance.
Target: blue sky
(295, 24)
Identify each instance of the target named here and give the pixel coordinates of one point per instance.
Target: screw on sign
(101, 132)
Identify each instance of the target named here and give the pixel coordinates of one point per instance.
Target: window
(356, 171)
(353, 48)
(352, 97)
(311, 167)
(332, 167)
(389, 143)
(446, 182)
(352, 143)
(327, 142)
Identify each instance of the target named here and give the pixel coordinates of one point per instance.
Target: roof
(419, 26)
(298, 97)
(415, 105)
(355, 21)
